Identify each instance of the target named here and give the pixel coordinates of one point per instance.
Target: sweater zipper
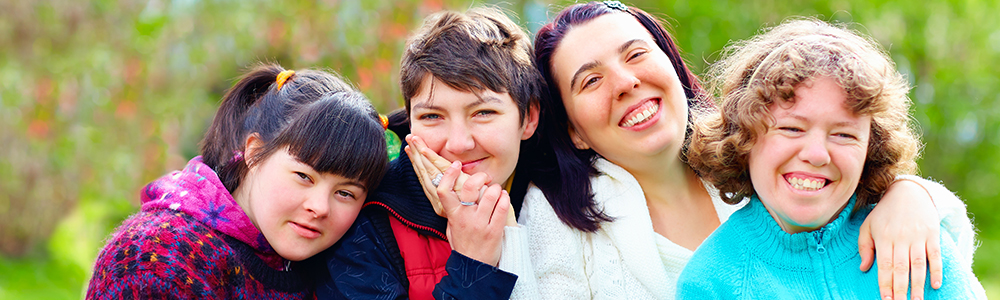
(818, 238)
(823, 265)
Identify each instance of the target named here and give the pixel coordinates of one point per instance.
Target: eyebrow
(481, 100)
(593, 64)
(851, 124)
(424, 105)
(357, 184)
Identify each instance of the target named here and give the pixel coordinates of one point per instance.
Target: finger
(918, 270)
(432, 161)
(934, 261)
(426, 180)
(900, 271)
(500, 211)
(445, 190)
(471, 187)
(436, 160)
(511, 217)
(488, 202)
(866, 247)
(883, 259)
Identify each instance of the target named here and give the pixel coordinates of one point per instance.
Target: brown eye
(589, 82)
(303, 176)
(635, 55)
(346, 194)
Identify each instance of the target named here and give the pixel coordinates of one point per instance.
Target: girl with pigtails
(285, 167)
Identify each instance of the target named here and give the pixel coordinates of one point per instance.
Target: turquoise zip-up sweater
(750, 257)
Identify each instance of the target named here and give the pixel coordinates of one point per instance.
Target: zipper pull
(818, 238)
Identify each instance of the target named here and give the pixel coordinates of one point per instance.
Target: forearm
(952, 213)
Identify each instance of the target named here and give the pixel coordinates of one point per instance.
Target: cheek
(434, 137)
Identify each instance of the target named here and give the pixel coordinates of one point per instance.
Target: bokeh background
(98, 97)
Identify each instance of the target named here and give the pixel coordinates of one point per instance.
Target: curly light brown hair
(754, 74)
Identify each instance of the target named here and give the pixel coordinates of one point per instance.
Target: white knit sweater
(626, 259)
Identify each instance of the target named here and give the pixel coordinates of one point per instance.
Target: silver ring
(437, 179)
(468, 203)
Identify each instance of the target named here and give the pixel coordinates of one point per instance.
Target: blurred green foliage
(98, 97)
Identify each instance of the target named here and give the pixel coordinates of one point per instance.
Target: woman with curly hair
(814, 127)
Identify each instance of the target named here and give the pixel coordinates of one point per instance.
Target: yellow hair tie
(384, 120)
(282, 77)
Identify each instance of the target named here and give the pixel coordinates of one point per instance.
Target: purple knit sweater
(190, 240)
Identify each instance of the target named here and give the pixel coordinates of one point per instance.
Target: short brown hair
(755, 73)
(478, 50)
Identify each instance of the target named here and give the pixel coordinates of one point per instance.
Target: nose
(318, 204)
(815, 151)
(459, 138)
(624, 81)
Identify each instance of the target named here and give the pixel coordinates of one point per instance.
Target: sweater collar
(768, 241)
(197, 191)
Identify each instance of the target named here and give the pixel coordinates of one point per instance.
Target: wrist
(909, 180)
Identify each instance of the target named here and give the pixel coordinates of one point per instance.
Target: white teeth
(641, 117)
(806, 184)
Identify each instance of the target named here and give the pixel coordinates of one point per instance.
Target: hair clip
(616, 5)
(282, 77)
(237, 156)
(384, 120)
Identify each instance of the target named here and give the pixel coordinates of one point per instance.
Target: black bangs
(338, 134)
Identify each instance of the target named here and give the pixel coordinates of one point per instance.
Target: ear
(531, 122)
(577, 139)
(251, 146)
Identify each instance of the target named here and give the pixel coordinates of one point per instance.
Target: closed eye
(790, 129)
(846, 136)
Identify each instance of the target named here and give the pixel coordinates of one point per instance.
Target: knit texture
(624, 259)
(750, 257)
(191, 240)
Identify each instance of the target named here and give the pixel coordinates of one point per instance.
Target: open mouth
(640, 114)
(806, 183)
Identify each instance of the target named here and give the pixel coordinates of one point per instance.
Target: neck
(680, 207)
(667, 180)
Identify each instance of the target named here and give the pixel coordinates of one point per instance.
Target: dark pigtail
(225, 137)
(320, 118)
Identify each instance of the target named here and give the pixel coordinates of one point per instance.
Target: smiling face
(621, 93)
(300, 211)
(482, 131)
(809, 162)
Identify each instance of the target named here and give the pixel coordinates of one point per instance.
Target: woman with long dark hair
(617, 210)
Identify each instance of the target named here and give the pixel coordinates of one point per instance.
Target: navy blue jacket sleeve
(471, 279)
(360, 267)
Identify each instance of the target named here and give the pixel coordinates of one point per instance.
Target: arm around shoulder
(954, 217)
